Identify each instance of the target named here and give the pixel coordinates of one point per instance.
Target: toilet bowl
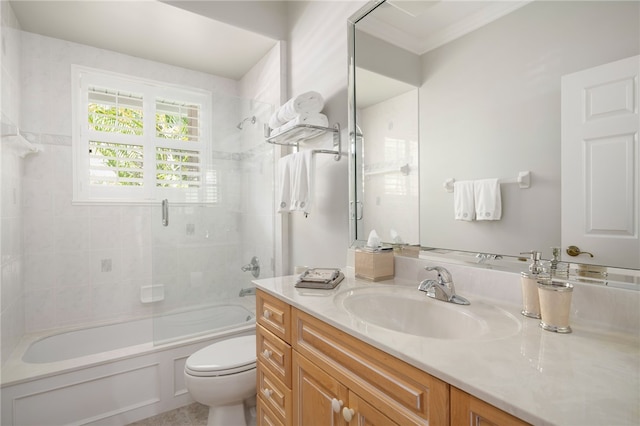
(222, 375)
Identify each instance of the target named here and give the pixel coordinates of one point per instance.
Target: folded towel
(284, 184)
(301, 181)
(313, 118)
(487, 199)
(463, 203)
(307, 102)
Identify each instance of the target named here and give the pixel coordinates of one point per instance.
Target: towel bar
(523, 180)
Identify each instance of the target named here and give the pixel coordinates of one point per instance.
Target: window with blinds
(138, 140)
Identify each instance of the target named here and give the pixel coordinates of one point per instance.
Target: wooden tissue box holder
(374, 266)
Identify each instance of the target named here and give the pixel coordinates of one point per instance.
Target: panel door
(365, 414)
(600, 164)
(318, 397)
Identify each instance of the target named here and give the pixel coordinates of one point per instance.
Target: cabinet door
(364, 414)
(468, 410)
(318, 397)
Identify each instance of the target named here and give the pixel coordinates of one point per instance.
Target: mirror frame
(623, 278)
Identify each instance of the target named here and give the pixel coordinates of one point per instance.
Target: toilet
(222, 375)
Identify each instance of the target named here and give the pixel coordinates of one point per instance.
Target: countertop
(588, 377)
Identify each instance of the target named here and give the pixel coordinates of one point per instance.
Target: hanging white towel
(463, 203)
(313, 118)
(284, 184)
(307, 102)
(487, 199)
(302, 181)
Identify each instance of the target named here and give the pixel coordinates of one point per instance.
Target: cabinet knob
(266, 313)
(267, 392)
(266, 353)
(336, 404)
(348, 414)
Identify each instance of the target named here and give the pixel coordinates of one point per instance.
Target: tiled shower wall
(86, 264)
(11, 210)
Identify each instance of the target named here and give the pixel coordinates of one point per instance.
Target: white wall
(317, 58)
(11, 211)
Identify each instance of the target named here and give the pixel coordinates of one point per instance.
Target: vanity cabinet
(469, 410)
(273, 354)
(311, 373)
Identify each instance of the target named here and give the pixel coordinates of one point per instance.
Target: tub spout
(247, 292)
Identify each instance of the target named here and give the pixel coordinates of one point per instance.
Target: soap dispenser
(530, 298)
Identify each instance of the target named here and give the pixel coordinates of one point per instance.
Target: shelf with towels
(303, 132)
(523, 180)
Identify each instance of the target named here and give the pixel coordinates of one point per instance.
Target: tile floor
(190, 415)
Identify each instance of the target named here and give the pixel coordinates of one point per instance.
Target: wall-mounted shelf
(18, 142)
(294, 135)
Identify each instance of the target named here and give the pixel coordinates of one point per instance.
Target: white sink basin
(408, 310)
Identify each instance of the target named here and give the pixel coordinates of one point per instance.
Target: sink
(409, 311)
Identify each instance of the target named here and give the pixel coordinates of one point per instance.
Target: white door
(600, 164)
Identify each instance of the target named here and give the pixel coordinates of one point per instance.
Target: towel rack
(302, 132)
(523, 180)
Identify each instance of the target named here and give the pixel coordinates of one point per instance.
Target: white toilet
(222, 375)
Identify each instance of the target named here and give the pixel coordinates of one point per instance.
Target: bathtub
(112, 374)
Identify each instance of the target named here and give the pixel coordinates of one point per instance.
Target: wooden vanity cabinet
(273, 354)
(313, 374)
(469, 410)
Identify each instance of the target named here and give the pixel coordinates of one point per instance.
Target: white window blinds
(137, 140)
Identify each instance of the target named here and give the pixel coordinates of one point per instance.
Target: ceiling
(422, 25)
(153, 30)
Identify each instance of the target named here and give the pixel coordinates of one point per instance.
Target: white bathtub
(112, 374)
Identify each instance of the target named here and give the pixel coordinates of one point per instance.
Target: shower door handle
(165, 212)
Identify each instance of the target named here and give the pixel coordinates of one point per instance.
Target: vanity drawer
(274, 315)
(398, 390)
(274, 395)
(274, 354)
(265, 417)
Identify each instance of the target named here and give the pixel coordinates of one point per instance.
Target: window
(138, 140)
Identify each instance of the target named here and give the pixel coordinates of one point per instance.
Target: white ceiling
(148, 29)
(422, 25)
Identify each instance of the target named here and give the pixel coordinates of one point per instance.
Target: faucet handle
(444, 276)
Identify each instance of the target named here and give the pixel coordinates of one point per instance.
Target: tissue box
(374, 266)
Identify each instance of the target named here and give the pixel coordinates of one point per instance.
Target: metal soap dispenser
(530, 298)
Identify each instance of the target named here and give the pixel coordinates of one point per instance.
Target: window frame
(152, 91)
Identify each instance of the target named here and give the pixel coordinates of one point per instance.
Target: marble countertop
(588, 377)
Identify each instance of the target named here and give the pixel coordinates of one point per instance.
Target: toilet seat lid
(227, 356)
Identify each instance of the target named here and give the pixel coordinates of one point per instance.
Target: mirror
(483, 88)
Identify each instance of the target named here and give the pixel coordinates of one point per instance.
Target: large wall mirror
(541, 95)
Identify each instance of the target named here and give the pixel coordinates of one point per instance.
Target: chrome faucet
(253, 267)
(249, 291)
(442, 288)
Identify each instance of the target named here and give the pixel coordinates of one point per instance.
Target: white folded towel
(307, 102)
(313, 118)
(463, 200)
(487, 199)
(302, 181)
(284, 184)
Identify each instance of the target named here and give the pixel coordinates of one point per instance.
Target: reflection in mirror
(499, 87)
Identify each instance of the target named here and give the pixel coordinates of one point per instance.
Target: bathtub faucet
(247, 291)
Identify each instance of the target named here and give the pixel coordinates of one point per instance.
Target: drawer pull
(266, 314)
(348, 414)
(266, 353)
(336, 404)
(267, 393)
